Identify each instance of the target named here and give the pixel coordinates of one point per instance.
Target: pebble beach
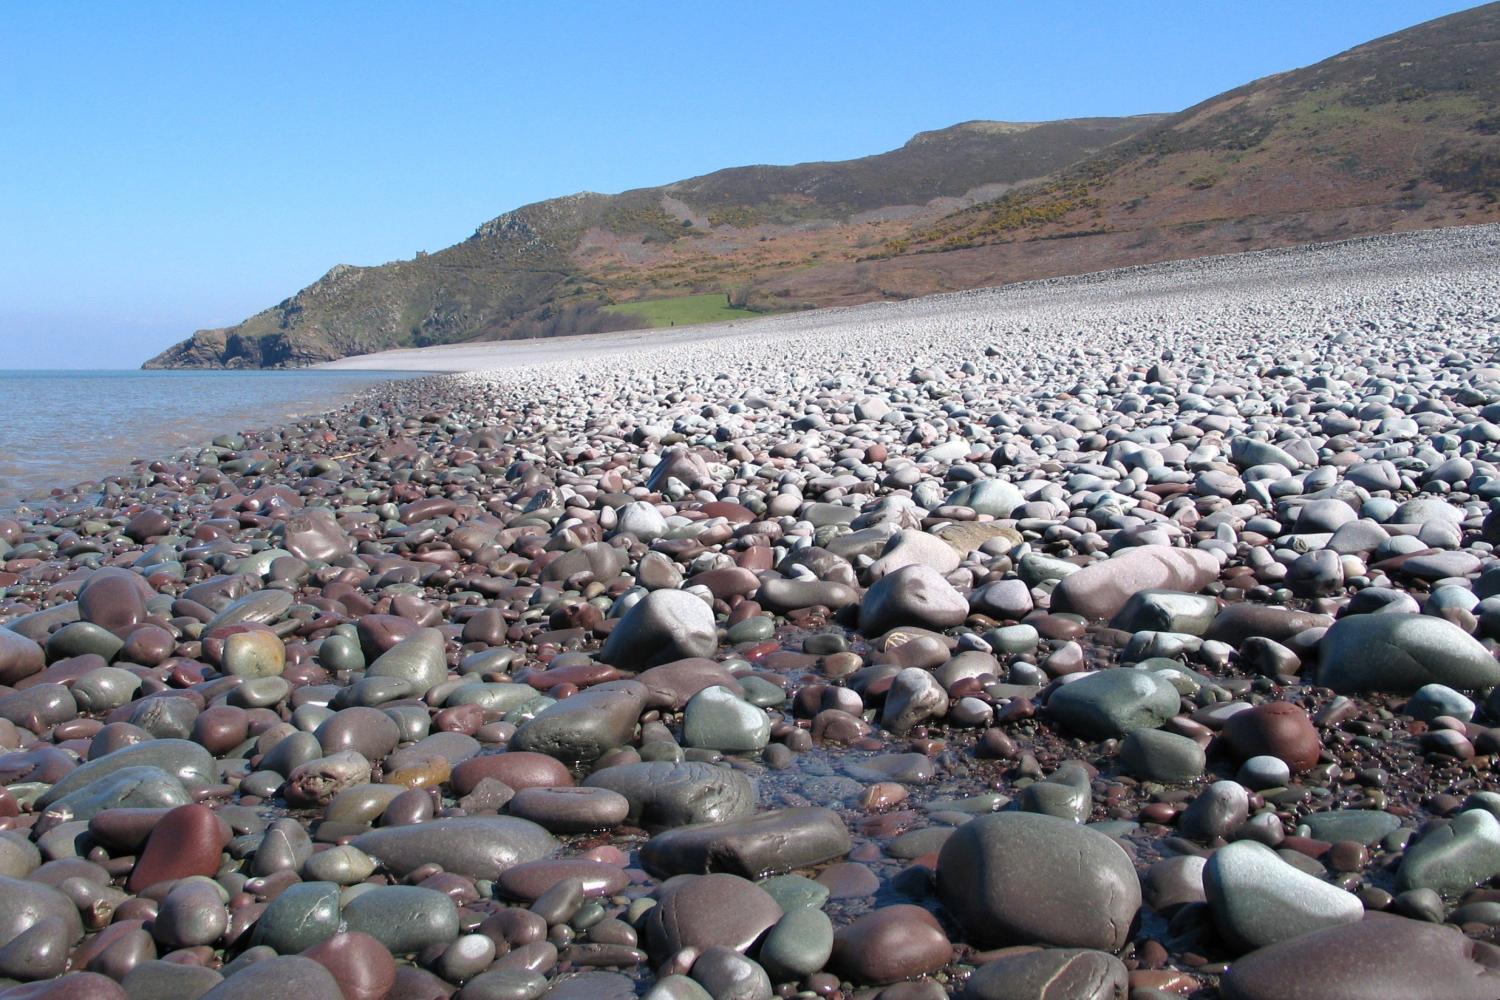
(1128, 636)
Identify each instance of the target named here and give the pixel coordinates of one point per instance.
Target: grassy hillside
(1400, 133)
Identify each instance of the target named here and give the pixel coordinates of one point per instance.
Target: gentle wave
(59, 428)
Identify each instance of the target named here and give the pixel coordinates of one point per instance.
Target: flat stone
(666, 794)
(1050, 974)
(283, 976)
(754, 846)
(1382, 957)
(479, 847)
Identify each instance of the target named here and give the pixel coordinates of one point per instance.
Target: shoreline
(844, 623)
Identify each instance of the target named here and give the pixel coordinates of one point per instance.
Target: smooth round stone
(1061, 973)
(676, 988)
(1024, 878)
(664, 794)
(369, 732)
(39, 952)
(793, 892)
(39, 707)
(362, 966)
(799, 945)
(261, 692)
(752, 846)
(191, 915)
(73, 986)
(419, 661)
(343, 865)
(1258, 899)
(81, 638)
(301, 916)
(1276, 729)
(664, 626)
(702, 911)
(187, 761)
(188, 840)
(915, 697)
(105, 689)
(570, 810)
(1218, 810)
(404, 918)
(283, 976)
(891, 944)
(1400, 653)
(581, 729)
(132, 787)
(1013, 639)
(1102, 589)
(726, 975)
(1160, 756)
(1363, 826)
(912, 595)
(1264, 771)
(718, 720)
(1110, 703)
(505, 984)
(528, 882)
(20, 657)
(1066, 793)
(672, 685)
(254, 654)
(479, 847)
(1382, 957)
(1454, 858)
(756, 629)
(1429, 702)
(517, 769)
(158, 980)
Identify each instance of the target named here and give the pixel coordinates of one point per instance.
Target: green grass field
(685, 311)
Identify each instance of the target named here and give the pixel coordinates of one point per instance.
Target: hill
(1400, 133)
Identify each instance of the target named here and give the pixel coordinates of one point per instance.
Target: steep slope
(545, 269)
(1400, 133)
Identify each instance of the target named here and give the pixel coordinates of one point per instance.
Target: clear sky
(165, 167)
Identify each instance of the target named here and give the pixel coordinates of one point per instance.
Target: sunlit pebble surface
(1198, 555)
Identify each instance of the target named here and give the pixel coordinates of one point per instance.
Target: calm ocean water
(58, 428)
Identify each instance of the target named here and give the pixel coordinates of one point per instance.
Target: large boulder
(1399, 653)
(1103, 589)
(1027, 878)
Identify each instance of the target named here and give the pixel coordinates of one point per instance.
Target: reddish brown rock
(362, 966)
(519, 769)
(188, 841)
(1275, 729)
(890, 944)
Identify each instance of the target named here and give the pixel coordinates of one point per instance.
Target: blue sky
(166, 167)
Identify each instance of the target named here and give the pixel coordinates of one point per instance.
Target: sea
(60, 428)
